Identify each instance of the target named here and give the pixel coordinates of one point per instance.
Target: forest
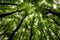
(29, 19)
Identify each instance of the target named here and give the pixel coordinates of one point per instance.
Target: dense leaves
(29, 20)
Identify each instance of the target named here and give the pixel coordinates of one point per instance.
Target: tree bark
(13, 33)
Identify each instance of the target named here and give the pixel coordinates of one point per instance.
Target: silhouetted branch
(31, 34)
(56, 34)
(55, 13)
(32, 22)
(8, 4)
(13, 33)
(56, 22)
(7, 14)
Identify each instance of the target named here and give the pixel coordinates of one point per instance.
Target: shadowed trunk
(13, 33)
(31, 34)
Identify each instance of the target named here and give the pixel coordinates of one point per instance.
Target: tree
(29, 20)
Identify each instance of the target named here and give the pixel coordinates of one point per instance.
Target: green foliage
(29, 20)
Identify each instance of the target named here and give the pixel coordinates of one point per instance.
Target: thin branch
(55, 13)
(31, 34)
(13, 33)
(8, 4)
(7, 14)
(56, 22)
(32, 22)
(55, 34)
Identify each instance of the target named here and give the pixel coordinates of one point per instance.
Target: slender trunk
(13, 33)
(31, 34)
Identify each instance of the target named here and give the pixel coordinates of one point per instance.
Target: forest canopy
(29, 19)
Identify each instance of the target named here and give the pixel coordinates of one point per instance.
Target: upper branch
(8, 4)
(7, 14)
(56, 22)
(13, 33)
(55, 13)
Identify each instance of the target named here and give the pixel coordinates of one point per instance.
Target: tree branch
(13, 33)
(56, 22)
(31, 34)
(8, 4)
(31, 28)
(7, 14)
(55, 13)
(55, 34)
